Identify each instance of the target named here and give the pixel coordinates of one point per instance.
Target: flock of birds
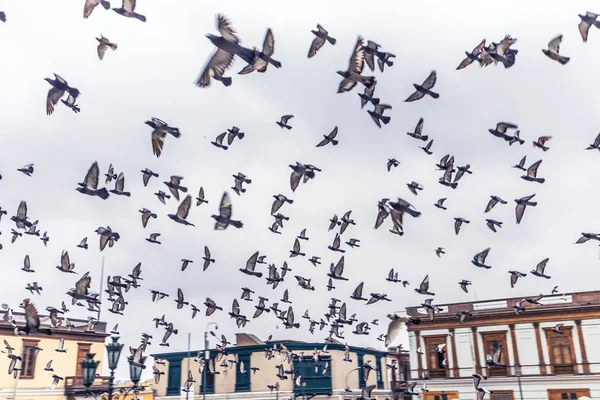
(337, 316)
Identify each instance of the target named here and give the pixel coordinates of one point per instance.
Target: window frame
(496, 336)
(434, 341)
(564, 369)
(450, 395)
(26, 361)
(81, 346)
(555, 394)
(511, 393)
(304, 364)
(241, 387)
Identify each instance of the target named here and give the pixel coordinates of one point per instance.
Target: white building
(540, 363)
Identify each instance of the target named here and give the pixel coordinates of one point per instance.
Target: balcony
(74, 385)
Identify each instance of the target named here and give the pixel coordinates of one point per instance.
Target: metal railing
(74, 384)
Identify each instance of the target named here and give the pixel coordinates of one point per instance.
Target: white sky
(152, 74)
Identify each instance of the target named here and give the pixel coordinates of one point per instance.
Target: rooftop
(560, 304)
(79, 329)
(250, 343)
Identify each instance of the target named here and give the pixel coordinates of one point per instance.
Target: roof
(261, 346)
(78, 330)
(581, 304)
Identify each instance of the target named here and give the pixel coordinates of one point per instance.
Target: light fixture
(88, 370)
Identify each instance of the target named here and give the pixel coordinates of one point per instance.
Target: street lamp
(135, 370)
(518, 373)
(206, 357)
(113, 353)
(88, 370)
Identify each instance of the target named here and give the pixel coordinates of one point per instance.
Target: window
(440, 395)
(316, 380)
(82, 351)
(174, 378)
(492, 342)
(362, 382)
(502, 395)
(379, 373)
(567, 394)
(242, 379)
(435, 359)
(560, 348)
(28, 358)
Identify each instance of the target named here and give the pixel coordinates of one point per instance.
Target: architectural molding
(476, 349)
(584, 359)
(454, 355)
(538, 341)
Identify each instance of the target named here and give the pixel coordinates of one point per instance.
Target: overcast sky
(152, 74)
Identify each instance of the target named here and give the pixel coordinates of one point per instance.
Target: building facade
(33, 382)
(537, 362)
(257, 378)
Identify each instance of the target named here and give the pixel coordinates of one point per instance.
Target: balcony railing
(74, 384)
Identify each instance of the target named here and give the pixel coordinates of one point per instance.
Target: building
(33, 382)
(252, 380)
(539, 362)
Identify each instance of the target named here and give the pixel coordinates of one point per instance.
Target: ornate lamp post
(113, 353)
(135, 370)
(89, 365)
(206, 357)
(88, 370)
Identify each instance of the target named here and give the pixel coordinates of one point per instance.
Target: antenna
(101, 287)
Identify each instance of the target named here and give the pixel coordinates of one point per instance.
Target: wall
(266, 374)
(64, 364)
(160, 388)
(591, 334)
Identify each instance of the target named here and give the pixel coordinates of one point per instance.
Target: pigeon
(321, 37)
(463, 285)
(425, 88)
(587, 236)
(540, 268)
(227, 47)
(104, 43)
(127, 10)
(516, 138)
(414, 186)
(595, 145)
(462, 171)
(120, 186)
(218, 142)
(251, 265)
(514, 276)
(159, 133)
(492, 203)
(439, 251)
(59, 87)
(417, 134)
(90, 183)
(91, 4)
(532, 173)
(27, 169)
(183, 211)
(353, 74)
(153, 237)
(556, 328)
(424, 287)
(587, 21)
(472, 56)
(522, 203)
(427, 148)
(392, 162)
(283, 122)
(458, 223)
(396, 325)
(147, 174)
(501, 129)
(83, 244)
(223, 220)
(440, 203)
(146, 215)
(492, 224)
(262, 59)
(521, 164)
(541, 141)
(367, 96)
(329, 138)
(377, 114)
(479, 259)
(552, 51)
